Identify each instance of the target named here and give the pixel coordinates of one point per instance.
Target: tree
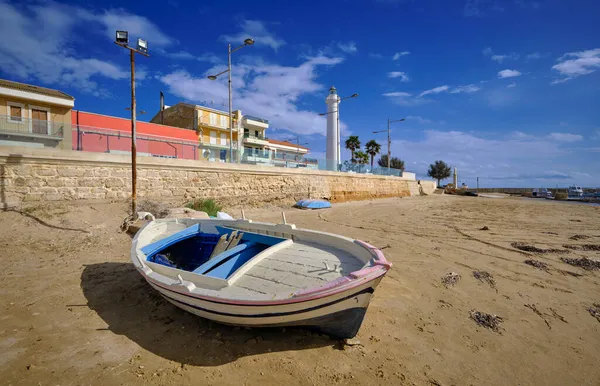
(372, 148)
(439, 170)
(361, 157)
(395, 163)
(353, 144)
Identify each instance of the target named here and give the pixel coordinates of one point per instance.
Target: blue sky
(505, 90)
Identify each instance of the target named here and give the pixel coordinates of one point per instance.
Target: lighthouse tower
(333, 132)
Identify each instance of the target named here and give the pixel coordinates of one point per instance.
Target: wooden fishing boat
(256, 274)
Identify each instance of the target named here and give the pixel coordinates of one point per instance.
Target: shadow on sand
(130, 307)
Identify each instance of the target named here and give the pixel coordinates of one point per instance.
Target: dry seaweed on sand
(583, 262)
(450, 279)
(594, 310)
(487, 320)
(538, 264)
(533, 308)
(579, 237)
(486, 277)
(590, 247)
(534, 249)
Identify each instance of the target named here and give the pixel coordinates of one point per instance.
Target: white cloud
(565, 137)
(397, 94)
(266, 90)
(349, 48)
(419, 119)
(508, 74)
(405, 98)
(137, 26)
(519, 160)
(435, 90)
(375, 55)
(41, 48)
(397, 55)
(513, 84)
(465, 89)
(585, 63)
(399, 74)
(501, 58)
(487, 51)
(256, 30)
(533, 56)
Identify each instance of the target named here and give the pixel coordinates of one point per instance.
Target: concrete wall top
(15, 155)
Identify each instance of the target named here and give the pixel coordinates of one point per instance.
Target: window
(39, 121)
(224, 121)
(223, 139)
(15, 112)
(213, 137)
(213, 119)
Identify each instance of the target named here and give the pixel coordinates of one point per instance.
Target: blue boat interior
(191, 250)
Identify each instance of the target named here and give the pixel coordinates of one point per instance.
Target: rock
(485, 228)
(437, 351)
(186, 213)
(136, 226)
(251, 341)
(352, 342)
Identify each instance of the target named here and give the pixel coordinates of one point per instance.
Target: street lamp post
(339, 133)
(389, 152)
(122, 39)
(247, 42)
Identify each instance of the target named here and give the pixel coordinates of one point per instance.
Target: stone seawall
(52, 175)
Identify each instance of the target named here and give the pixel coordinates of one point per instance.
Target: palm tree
(361, 157)
(372, 148)
(353, 144)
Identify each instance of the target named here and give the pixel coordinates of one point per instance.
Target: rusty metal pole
(133, 135)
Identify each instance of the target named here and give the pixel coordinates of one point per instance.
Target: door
(39, 121)
(223, 139)
(213, 137)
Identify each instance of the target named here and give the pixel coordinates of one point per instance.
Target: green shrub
(209, 206)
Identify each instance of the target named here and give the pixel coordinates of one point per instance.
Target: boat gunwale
(379, 268)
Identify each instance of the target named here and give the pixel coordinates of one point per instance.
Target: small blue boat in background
(313, 204)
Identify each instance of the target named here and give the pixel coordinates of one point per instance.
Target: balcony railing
(32, 128)
(261, 137)
(250, 117)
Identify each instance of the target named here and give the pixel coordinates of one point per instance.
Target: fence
(96, 139)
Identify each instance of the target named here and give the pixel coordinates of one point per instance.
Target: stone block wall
(50, 175)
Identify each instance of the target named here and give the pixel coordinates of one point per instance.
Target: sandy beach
(74, 310)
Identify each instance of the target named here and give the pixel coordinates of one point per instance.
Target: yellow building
(212, 127)
(34, 116)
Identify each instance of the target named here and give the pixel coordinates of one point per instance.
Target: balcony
(26, 128)
(251, 122)
(218, 145)
(255, 139)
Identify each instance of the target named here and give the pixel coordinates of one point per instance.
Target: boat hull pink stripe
(314, 296)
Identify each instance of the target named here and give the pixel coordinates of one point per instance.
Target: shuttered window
(39, 121)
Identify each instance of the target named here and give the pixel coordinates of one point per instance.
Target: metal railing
(251, 136)
(250, 117)
(34, 128)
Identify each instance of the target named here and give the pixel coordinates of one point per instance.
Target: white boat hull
(335, 306)
(340, 316)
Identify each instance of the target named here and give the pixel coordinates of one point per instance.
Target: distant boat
(542, 193)
(575, 193)
(258, 274)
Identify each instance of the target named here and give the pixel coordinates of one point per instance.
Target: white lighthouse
(333, 132)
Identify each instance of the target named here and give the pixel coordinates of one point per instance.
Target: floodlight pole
(133, 135)
(132, 52)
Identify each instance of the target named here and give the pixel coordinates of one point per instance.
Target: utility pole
(122, 39)
(477, 184)
(389, 145)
